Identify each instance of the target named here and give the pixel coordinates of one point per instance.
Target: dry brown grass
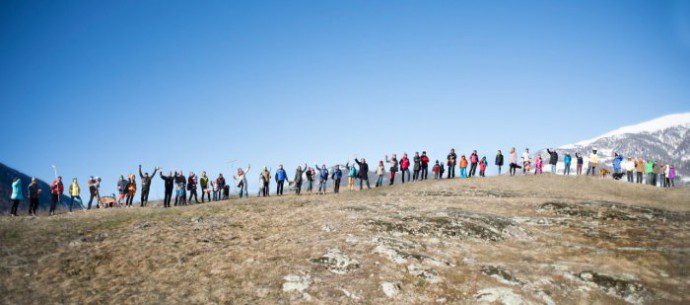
(237, 252)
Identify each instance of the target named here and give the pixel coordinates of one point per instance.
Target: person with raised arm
(297, 181)
(241, 180)
(393, 161)
(363, 173)
(336, 175)
(323, 178)
(192, 181)
(168, 183)
(146, 185)
(16, 196)
(351, 175)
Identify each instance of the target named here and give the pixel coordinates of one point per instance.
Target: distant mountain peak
(654, 125)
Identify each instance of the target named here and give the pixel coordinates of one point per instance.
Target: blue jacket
(353, 172)
(567, 159)
(281, 175)
(617, 163)
(17, 190)
(337, 173)
(323, 173)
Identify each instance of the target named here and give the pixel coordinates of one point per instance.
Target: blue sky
(98, 87)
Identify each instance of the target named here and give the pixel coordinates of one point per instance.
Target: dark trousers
(639, 177)
(451, 171)
(415, 175)
(629, 174)
(92, 195)
(54, 199)
(264, 190)
(204, 192)
(513, 169)
(279, 187)
(166, 198)
(481, 173)
(129, 199)
(566, 169)
(392, 180)
(15, 207)
(310, 185)
(144, 196)
(33, 206)
(71, 201)
(407, 170)
(192, 193)
(473, 169)
(499, 169)
(336, 185)
(361, 182)
(425, 173)
(298, 187)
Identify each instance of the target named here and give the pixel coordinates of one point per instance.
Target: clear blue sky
(98, 87)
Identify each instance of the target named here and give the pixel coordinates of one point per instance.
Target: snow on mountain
(664, 139)
(658, 124)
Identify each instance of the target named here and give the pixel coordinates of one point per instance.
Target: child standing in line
(482, 167)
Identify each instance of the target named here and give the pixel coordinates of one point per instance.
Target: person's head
(90, 177)
(615, 154)
(474, 151)
(323, 166)
(122, 177)
(527, 149)
(394, 156)
(484, 158)
(436, 161)
(452, 150)
(404, 155)
(15, 179)
(98, 179)
(462, 156)
(416, 154)
(499, 151)
(239, 171)
(299, 168)
(364, 160)
(203, 173)
(629, 158)
(169, 173)
(59, 178)
(381, 162)
(594, 151)
(191, 174)
(74, 180)
(280, 166)
(512, 149)
(33, 179)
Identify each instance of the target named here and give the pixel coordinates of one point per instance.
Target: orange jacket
(463, 162)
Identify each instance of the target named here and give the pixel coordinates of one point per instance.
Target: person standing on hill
(56, 190)
(241, 180)
(146, 185)
(121, 190)
(280, 176)
(204, 183)
(380, 171)
(363, 173)
(656, 171)
(298, 179)
(310, 173)
(416, 166)
(639, 170)
(662, 174)
(34, 195)
(499, 161)
(16, 195)
(649, 171)
(629, 167)
(220, 184)
(181, 194)
(482, 167)
(323, 178)
(393, 161)
(671, 176)
(265, 182)
(74, 193)
(463, 167)
(526, 161)
(405, 167)
(553, 159)
(593, 163)
(93, 185)
(617, 163)
(567, 159)
(425, 166)
(474, 160)
(336, 176)
(351, 174)
(452, 160)
(538, 164)
(513, 162)
(168, 182)
(437, 170)
(131, 190)
(191, 187)
(580, 163)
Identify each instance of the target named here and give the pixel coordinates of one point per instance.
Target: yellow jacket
(74, 189)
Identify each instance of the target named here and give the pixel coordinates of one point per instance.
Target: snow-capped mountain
(666, 138)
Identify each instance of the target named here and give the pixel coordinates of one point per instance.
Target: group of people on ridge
(634, 169)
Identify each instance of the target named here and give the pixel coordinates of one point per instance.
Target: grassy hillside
(521, 240)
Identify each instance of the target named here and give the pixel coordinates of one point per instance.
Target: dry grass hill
(499, 240)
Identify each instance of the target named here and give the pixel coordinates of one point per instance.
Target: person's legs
(53, 203)
(392, 178)
(71, 202)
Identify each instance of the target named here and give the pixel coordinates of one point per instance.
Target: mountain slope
(7, 174)
(511, 240)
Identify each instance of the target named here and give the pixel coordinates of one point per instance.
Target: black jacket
(553, 157)
(168, 182)
(499, 160)
(363, 170)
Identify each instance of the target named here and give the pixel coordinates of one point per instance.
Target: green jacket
(649, 167)
(204, 182)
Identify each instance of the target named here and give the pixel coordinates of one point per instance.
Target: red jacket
(474, 158)
(56, 187)
(435, 169)
(404, 163)
(425, 161)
